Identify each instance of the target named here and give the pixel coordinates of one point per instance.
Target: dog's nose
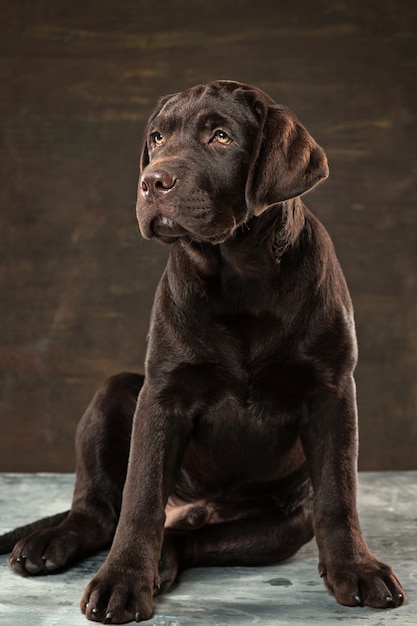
(157, 182)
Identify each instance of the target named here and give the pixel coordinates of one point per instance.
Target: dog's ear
(286, 160)
(144, 157)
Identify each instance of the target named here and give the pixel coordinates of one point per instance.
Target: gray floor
(290, 593)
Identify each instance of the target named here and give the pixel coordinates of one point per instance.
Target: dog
(240, 442)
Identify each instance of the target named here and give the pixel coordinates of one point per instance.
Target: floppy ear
(286, 162)
(144, 157)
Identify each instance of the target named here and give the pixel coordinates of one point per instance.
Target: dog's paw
(117, 596)
(44, 552)
(367, 583)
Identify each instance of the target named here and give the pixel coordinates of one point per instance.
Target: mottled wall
(78, 80)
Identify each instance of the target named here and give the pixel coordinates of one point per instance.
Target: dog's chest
(249, 431)
(261, 381)
(256, 389)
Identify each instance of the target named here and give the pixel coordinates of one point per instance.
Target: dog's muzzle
(154, 186)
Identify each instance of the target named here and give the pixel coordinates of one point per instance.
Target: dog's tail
(8, 540)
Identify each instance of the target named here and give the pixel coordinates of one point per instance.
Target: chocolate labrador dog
(240, 443)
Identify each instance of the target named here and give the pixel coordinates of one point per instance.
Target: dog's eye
(157, 139)
(222, 137)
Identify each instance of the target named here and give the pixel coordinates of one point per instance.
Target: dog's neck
(242, 276)
(256, 247)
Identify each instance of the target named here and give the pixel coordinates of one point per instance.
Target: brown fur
(242, 437)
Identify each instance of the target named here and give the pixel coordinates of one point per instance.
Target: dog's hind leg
(102, 450)
(262, 540)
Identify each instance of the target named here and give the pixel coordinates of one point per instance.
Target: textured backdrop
(77, 82)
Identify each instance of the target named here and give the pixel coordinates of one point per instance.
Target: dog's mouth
(167, 229)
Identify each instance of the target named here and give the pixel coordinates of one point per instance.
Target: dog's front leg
(350, 571)
(123, 588)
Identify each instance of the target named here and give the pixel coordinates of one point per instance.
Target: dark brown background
(78, 80)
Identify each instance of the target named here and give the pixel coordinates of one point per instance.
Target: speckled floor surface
(290, 593)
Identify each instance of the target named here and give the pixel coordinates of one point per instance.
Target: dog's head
(218, 154)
